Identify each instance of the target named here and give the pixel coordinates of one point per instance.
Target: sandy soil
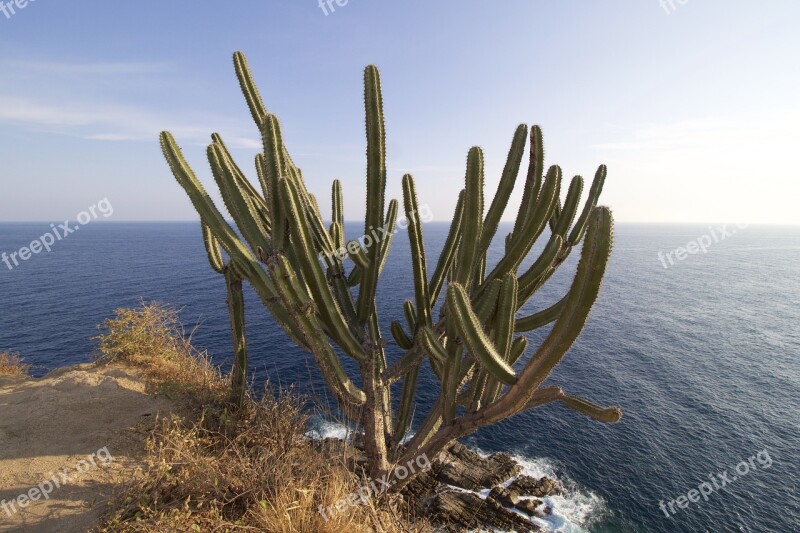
(72, 434)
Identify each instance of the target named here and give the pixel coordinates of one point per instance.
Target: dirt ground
(65, 440)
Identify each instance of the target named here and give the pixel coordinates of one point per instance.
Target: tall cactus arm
(323, 240)
(354, 278)
(313, 338)
(518, 347)
(607, 415)
(411, 315)
(201, 200)
(337, 210)
(213, 250)
(400, 337)
(356, 253)
(556, 214)
(474, 337)
(472, 225)
(236, 314)
(261, 172)
(418, 260)
(486, 302)
(376, 149)
(432, 346)
(542, 318)
(376, 185)
(448, 251)
(249, 89)
(337, 234)
(328, 309)
(502, 337)
(251, 193)
(504, 321)
(386, 242)
(578, 230)
(406, 406)
(544, 396)
(533, 181)
(533, 227)
(451, 374)
(567, 214)
(243, 212)
(504, 188)
(528, 280)
(344, 298)
(581, 298)
(274, 170)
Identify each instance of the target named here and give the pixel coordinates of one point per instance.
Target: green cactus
(235, 300)
(298, 267)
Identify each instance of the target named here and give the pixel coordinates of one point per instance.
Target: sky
(694, 106)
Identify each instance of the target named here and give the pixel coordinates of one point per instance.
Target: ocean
(701, 355)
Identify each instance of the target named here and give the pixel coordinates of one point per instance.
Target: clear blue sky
(695, 112)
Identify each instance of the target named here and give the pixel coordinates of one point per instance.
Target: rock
(529, 507)
(506, 497)
(465, 510)
(530, 486)
(422, 488)
(461, 467)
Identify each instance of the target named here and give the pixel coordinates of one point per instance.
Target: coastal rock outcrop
(465, 490)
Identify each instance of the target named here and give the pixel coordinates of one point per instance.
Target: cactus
(235, 300)
(298, 267)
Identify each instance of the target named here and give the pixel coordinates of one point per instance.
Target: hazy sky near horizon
(695, 111)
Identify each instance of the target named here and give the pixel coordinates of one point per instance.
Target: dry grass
(11, 365)
(215, 469)
(151, 337)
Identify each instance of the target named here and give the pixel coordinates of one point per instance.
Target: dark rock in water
(529, 507)
(464, 468)
(506, 497)
(465, 510)
(530, 486)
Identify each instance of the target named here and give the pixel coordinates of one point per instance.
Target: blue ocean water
(701, 356)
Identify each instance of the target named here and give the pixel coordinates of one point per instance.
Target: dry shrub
(253, 472)
(214, 468)
(11, 365)
(151, 337)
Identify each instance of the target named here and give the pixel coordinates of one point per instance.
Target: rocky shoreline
(450, 493)
(464, 490)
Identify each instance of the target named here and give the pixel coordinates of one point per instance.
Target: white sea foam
(320, 429)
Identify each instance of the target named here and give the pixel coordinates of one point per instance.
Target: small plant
(152, 337)
(11, 365)
(255, 472)
(471, 348)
